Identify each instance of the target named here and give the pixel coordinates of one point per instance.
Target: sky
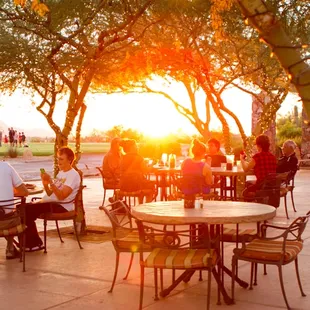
(152, 114)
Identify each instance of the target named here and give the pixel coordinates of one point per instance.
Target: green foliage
(289, 128)
(12, 152)
(47, 149)
(154, 150)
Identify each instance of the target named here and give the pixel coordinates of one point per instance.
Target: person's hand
(46, 178)
(209, 160)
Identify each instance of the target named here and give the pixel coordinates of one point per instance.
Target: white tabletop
(234, 172)
(213, 212)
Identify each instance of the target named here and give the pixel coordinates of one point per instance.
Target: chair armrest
(35, 198)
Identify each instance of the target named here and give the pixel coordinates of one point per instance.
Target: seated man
(217, 157)
(59, 197)
(11, 184)
(288, 162)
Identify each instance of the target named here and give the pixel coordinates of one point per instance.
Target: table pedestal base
(186, 275)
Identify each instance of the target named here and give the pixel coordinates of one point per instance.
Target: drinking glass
(164, 158)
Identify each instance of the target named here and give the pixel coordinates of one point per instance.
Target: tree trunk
(60, 141)
(272, 32)
(78, 134)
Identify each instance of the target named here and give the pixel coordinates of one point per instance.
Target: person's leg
(10, 222)
(249, 193)
(33, 211)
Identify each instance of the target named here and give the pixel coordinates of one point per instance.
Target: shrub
(12, 152)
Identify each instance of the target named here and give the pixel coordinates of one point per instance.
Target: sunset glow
(152, 114)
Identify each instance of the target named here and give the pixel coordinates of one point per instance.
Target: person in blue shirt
(196, 172)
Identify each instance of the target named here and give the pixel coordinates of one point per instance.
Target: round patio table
(212, 212)
(233, 176)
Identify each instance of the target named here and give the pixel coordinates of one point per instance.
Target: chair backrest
(176, 236)
(102, 175)
(191, 184)
(119, 215)
(297, 227)
(269, 189)
(7, 205)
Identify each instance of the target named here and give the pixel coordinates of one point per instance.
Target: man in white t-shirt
(59, 197)
(10, 184)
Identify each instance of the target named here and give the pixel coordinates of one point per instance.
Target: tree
(285, 40)
(58, 55)
(182, 48)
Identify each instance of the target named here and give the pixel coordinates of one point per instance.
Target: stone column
(257, 109)
(305, 140)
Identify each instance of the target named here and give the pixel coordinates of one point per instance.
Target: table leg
(186, 274)
(238, 280)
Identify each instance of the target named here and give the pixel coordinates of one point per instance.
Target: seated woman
(196, 173)
(133, 169)
(60, 193)
(111, 164)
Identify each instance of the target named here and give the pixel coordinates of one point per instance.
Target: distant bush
(12, 152)
(155, 150)
(289, 130)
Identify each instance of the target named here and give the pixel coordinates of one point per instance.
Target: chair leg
(251, 280)
(161, 280)
(156, 284)
(298, 277)
(282, 287)
(23, 240)
(141, 286)
(209, 289)
(255, 274)
(59, 234)
(103, 200)
(129, 267)
(45, 247)
(265, 269)
(293, 203)
(200, 275)
(285, 205)
(115, 272)
(233, 269)
(77, 234)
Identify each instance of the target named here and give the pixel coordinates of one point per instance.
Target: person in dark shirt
(288, 162)
(217, 157)
(263, 163)
(133, 170)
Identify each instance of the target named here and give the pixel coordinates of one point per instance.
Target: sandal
(12, 254)
(35, 248)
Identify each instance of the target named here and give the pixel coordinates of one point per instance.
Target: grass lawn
(45, 149)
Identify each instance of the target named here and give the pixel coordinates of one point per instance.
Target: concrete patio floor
(69, 278)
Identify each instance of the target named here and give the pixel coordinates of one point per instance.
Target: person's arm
(46, 181)
(247, 166)
(21, 190)
(208, 174)
(62, 193)
(19, 187)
